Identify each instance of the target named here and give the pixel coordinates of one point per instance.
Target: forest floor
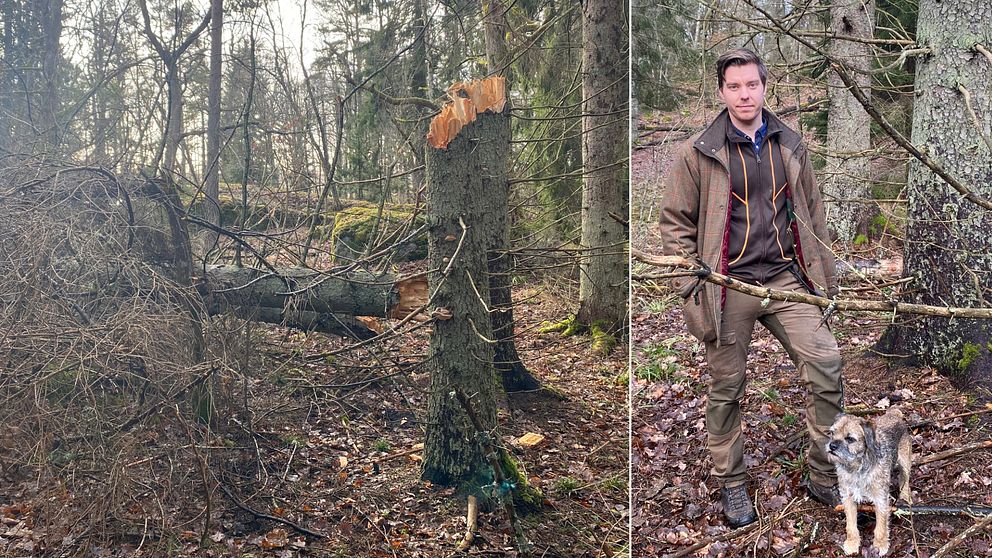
(676, 510)
(332, 449)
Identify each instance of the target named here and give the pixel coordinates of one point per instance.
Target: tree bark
(948, 250)
(419, 88)
(461, 351)
(513, 374)
(52, 20)
(603, 271)
(337, 324)
(848, 125)
(358, 293)
(211, 210)
(174, 117)
(495, 29)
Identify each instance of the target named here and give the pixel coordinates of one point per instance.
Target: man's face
(743, 93)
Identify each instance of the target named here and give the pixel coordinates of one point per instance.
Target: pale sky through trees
(286, 16)
(291, 14)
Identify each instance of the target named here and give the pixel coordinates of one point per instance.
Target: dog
(864, 455)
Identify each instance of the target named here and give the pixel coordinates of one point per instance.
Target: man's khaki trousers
(812, 348)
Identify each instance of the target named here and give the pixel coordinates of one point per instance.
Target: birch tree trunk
(948, 246)
(848, 125)
(603, 271)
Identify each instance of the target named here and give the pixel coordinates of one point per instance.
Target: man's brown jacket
(695, 218)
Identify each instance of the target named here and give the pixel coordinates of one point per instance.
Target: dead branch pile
(98, 340)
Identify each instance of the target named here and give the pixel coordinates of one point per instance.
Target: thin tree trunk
(419, 88)
(7, 79)
(603, 279)
(848, 125)
(495, 29)
(52, 20)
(166, 157)
(174, 119)
(246, 119)
(514, 375)
(461, 351)
(948, 246)
(98, 66)
(211, 208)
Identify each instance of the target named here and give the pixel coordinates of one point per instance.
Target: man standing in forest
(742, 199)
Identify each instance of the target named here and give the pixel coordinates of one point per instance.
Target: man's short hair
(739, 57)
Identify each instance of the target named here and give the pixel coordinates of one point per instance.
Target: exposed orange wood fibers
(467, 100)
(413, 295)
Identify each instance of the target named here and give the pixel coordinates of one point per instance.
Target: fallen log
(306, 299)
(337, 324)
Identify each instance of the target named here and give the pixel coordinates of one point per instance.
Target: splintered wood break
(467, 100)
(413, 295)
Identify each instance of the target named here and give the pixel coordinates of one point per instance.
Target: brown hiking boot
(737, 507)
(826, 495)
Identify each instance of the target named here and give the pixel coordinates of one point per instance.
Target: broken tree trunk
(467, 141)
(468, 99)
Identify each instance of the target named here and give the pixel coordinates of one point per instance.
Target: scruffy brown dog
(864, 454)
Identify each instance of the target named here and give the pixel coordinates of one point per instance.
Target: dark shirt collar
(759, 136)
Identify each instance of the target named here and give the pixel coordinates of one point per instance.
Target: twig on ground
(472, 520)
(806, 540)
(492, 453)
(785, 445)
(733, 534)
(928, 422)
(962, 536)
(952, 452)
(260, 515)
(903, 509)
(289, 463)
(414, 449)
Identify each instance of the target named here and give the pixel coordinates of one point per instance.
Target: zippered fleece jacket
(696, 219)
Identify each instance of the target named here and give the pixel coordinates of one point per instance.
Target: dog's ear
(871, 444)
